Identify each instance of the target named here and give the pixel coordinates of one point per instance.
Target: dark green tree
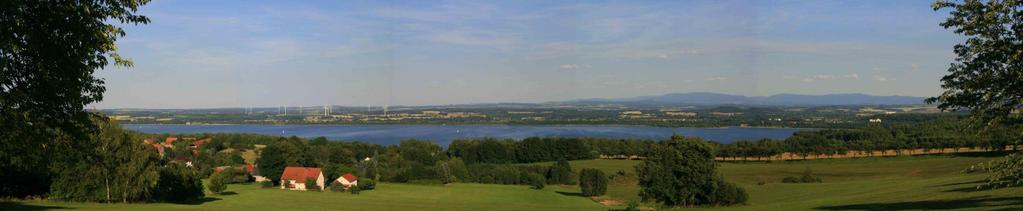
(560, 172)
(271, 162)
(178, 184)
(50, 51)
(985, 77)
(682, 172)
(592, 182)
(116, 168)
(218, 182)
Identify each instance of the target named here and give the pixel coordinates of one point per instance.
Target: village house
(294, 178)
(254, 171)
(348, 180)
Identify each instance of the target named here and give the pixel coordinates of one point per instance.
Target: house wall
(320, 181)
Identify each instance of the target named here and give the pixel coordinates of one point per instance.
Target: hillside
(708, 98)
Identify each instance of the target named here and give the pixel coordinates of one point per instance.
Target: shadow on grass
(974, 183)
(196, 202)
(21, 206)
(570, 193)
(227, 193)
(984, 154)
(972, 202)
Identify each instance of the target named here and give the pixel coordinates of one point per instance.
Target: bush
(807, 177)
(310, 185)
(726, 193)
(682, 172)
(593, 182)
(791, 179)
(367, 184)
(560, 173)
(336, 187)
(266, 184)
(536, 181)
(354, 190)
(178, 184)
(218, 183)
(633, 206)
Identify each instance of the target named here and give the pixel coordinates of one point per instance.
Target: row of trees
(939, 134)
(112, 166)
(537, 149)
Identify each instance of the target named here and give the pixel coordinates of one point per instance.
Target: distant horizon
(237, 53)
(486, 103)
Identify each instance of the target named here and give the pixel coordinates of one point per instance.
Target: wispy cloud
(716, 78)
(569, 66)
(883, 78)
(822, 77)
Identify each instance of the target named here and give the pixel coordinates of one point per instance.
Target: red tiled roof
(300, 174)
(170, 140)
(248, 168)
(350, 177)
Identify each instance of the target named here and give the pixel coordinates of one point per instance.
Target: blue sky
(272, 53)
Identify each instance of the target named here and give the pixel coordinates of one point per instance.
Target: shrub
(367, 184)
(266, 184)
(536, 181)
(791, 179)
(682, 172)
(310, 185)
(354, 190)
(560, 172)
(726, 193)
(807, 177)
(218, 183)
(178, 184)
(593, 182)
(633, 206)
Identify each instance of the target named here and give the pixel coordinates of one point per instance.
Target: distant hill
(708, 98)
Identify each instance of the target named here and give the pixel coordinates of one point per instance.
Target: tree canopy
(48, 54)
(986, 76)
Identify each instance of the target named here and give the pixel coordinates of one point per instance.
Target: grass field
(900, 183)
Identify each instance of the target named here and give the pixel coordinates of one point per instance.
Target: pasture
(924, 182)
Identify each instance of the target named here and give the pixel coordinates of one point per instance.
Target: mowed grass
(901, 183)
(926, 182)
(387, 196)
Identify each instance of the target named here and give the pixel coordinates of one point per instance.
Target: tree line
(954, 133)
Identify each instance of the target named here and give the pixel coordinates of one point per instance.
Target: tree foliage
(218, 183)
(560, 172)
(178, 184)
(48, 54)
(592, 182)
(985, 76)
(682, 172)
(115, 168)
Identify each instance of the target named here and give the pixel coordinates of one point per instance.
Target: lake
(444, 134)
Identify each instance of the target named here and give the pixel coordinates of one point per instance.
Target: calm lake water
(444, 134)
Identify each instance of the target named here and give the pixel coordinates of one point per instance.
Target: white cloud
(822, 77)
(664, 56)
(883, 78)
(569, 66)
(718, 78)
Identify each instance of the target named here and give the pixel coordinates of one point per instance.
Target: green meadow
(899, 183)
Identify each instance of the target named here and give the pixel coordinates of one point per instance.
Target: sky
(207, 54)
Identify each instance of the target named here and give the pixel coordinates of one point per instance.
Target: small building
(294, 178)
(875, 120)
(254, 171)
(348, 180)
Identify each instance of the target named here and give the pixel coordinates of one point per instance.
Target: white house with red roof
(294, 178)
(348, 180)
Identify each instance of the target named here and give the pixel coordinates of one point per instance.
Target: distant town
(670, 116)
